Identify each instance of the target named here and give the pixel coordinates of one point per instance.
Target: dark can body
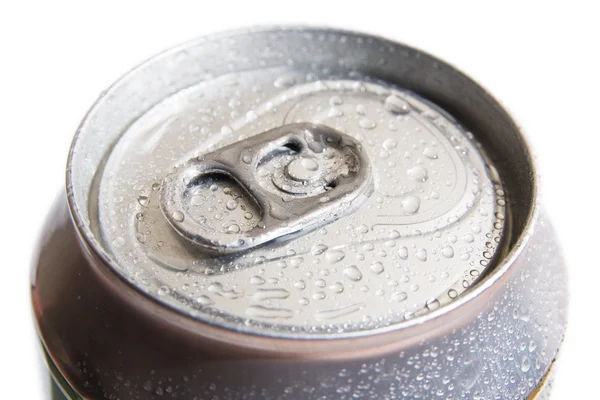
(106, 340)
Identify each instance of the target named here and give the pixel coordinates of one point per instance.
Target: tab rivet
(303, 169)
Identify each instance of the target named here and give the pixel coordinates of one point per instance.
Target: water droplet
(226, 130)
(421, 254)
(417, 173)
(399, 296)
(257, 280)
(337, 287)
(247, 159)
(163, 291)
(448, 252)
(232, 227)
(396, 105)
(178, 216)
(430, 153)
(231, 205)
(334, 256)
(335, 100)
(219, 290)
(118, 242)
(140, 237)
(367, 123)
(318, 295)
(377, 268)
(310, 164)
(204, 300)
(452, 293)
(300, 284)
(296, 261)
(318, 249)
(390, 144)
(284, 82)
(335, 112)
(411, 204)
(432, 304)
(251, 116)
(214, 188)
(262, 172)
(362, 229)
(403, 252)
(353, 273)
(337, 312)
(525, 364)
(320, 283)
(143, 200)
(532, 346)
(268, 312)
(197, 200)
(271, 294)
(303, 169)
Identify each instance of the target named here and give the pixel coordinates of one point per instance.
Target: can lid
(299, 198)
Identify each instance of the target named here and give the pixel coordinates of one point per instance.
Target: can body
(104, 339)
(108, 349)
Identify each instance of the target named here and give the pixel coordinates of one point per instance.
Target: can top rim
(409, 328)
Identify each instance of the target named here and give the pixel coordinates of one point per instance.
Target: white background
(541, 60)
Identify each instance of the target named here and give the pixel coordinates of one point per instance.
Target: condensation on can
(430, 227)
(324, 213)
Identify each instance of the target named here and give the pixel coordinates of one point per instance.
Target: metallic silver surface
(108, 341)
(457, 295)
(432, 225)
(319, 176)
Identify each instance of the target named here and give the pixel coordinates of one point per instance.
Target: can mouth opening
(434, 80)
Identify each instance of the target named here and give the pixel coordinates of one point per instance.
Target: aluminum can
(299, 213)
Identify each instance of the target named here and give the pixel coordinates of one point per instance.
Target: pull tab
(301, 177)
